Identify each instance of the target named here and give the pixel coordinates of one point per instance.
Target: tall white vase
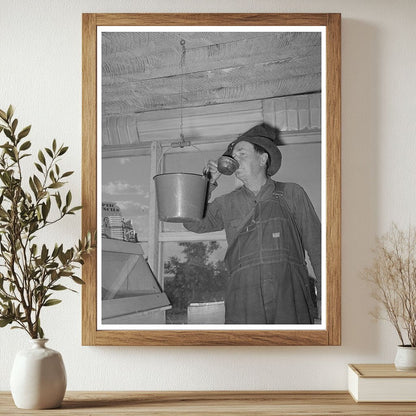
(38, 377)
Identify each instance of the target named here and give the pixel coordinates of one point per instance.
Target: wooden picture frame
(331, 334)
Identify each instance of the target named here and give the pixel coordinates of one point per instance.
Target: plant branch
(31, 277)
(393, 276)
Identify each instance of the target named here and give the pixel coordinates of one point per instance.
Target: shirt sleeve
(212, 221)
(309, 228)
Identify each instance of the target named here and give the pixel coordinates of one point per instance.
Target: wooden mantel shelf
(178, 403)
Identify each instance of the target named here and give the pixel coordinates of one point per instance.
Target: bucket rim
(181, 173)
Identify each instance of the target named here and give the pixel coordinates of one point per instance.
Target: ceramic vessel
(405, 358)
(38, 377)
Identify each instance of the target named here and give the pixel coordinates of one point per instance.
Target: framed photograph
(191, 251)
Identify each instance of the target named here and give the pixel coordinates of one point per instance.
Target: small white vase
(405, 358)
(38, 377)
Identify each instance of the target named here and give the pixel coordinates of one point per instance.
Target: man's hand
(211, 170)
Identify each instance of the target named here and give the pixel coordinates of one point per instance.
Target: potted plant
(32, 272)
(393, 277)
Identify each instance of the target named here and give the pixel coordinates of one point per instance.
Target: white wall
(40, 73)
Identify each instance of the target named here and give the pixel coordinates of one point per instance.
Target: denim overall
(269, 282)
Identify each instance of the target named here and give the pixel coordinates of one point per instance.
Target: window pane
(125, 183)
(194, 162)
(194, 281)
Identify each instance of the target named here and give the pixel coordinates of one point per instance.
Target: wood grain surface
(212, 403)
(332, 334)
(381, 371)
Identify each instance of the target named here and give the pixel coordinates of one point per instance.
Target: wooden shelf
(222, 403)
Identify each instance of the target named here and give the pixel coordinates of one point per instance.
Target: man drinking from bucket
(269, 225)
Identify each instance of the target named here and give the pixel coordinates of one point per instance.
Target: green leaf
(5, 321)
(39, 167)
(14, 125)
(51, 302)
(37, 182)
(62, 257)
(40, 331)
(63, 150)
(10, 112)
(8, 133)
(49, 152)
(56, 185)
(54, 276)
(59, 287)
(45, 210)
(24, 133)
(67, 174)
(3, 115)
(25, 145)
(41, 157)
(54, 145)
(57, 250)
(44, 253)
(58, 199)
(77, 208)
(33, 187)
(76, 279)
(34, 226)
(68, 198)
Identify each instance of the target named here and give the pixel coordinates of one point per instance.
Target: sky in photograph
(125, 181)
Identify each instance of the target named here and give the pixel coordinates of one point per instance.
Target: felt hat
(266, 137)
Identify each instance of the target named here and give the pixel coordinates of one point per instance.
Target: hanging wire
(183, 55)
(182, 143)
(169, 149)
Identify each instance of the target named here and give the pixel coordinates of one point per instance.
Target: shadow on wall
(360, 180)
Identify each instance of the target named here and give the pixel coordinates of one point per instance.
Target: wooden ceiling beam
(154, 62)
(266, 71)
(119, 45)
(301, 84)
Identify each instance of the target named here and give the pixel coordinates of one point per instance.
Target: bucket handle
(164, 152)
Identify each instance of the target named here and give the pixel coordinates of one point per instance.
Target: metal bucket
(181, 196)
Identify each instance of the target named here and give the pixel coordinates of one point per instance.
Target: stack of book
(381, 383)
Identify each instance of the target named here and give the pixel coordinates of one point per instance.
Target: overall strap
(246, 221)
(279, 192)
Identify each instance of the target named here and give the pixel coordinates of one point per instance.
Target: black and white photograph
(211, 191)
